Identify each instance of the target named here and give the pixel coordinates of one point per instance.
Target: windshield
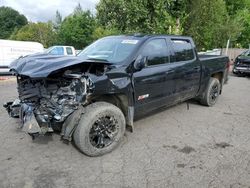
(113, 50)
(246, 53)
(48, 50)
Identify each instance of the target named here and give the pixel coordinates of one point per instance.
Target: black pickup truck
(91, 98)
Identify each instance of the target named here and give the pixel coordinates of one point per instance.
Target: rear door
(187, 68)
(150, 82)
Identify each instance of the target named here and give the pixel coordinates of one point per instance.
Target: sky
(44, 10)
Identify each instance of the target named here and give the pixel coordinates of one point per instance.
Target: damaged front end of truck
(44, 104)
(53, 92)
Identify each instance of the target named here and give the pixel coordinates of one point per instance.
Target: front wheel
(212, 92)
(100, 129)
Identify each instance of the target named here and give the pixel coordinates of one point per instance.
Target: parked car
(242, 64)
(11, 50)
(92, 97)
(61, 50)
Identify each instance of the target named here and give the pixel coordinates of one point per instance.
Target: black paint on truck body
(136, 92)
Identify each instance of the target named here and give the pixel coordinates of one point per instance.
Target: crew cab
(92, 97)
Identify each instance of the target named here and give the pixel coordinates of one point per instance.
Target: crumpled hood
(41, 65)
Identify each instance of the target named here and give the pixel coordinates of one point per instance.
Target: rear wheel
(100, 129)
(212, 92)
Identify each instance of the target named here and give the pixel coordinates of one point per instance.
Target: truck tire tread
(81, 134)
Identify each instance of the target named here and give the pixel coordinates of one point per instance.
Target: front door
(150, 82)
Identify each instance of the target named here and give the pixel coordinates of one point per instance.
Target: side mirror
(140, 63)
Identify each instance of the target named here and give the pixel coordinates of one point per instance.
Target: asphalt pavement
(175, 147)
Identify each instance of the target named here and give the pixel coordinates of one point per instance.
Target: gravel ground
(176, 147)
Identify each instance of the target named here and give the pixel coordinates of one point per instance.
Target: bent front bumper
(34, 127)
(24, 111)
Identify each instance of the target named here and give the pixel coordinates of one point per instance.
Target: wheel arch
(120, 100)
(220, 77)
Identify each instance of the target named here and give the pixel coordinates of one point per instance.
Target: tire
(235, 73)
(89, 134)
(212, 92)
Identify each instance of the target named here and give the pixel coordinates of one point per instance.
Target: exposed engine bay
(45, 103)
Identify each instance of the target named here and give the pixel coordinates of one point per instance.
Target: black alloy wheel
(103, 132)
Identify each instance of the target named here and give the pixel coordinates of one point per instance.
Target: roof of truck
(146, 36)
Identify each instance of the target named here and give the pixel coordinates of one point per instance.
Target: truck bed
(211, 57)
(214, 64)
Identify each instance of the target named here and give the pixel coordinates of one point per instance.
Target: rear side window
(183, 50)
(157, 52)
(69, 51)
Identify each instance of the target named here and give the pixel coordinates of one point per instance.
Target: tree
(100, 32)
(210, 27)
(76, 30)
(58, 20)
(239, 12)
(134, 16)
(10, 20)
(177, 9)
(78, 9)
(243, 20)
(38, 32)
(234, 6)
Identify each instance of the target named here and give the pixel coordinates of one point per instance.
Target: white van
(11, 50)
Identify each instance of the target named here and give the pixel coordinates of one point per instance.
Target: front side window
(183, 50)
(156, 51)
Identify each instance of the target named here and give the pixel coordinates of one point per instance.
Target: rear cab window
(69, 50)
(183, 50)
(156, 51)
